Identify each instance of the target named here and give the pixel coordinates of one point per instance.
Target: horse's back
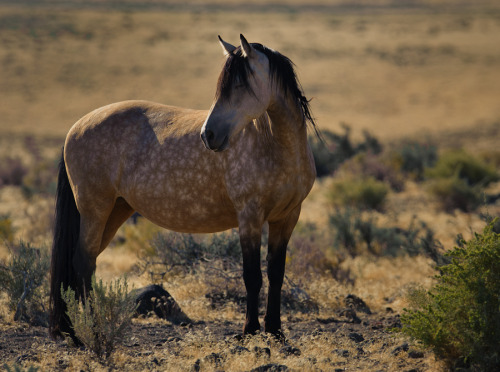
(152, 156)
(133, 117)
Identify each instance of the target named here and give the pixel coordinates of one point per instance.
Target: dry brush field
(426, 74)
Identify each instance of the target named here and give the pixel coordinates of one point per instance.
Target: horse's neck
(287, 124)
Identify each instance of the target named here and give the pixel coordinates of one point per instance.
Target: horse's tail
(66, 235)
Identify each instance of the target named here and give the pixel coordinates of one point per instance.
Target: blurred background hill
(396, 68)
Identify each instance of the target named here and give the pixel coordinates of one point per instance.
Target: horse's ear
(226, 47)
(248, 50)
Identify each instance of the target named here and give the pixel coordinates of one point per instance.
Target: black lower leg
(275, 273)
(252, 276)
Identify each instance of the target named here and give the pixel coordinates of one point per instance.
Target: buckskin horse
(252, 165)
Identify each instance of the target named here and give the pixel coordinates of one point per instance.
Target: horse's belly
(188, 212)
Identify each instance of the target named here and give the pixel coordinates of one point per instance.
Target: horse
(252, 165)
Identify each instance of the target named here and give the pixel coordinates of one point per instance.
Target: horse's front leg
(279, 235)
(250, 239)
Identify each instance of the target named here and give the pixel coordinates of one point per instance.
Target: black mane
(237, 69)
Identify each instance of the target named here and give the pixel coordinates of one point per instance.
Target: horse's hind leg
(97, 230)
(279, 235)
(93, 219)
(120, 213)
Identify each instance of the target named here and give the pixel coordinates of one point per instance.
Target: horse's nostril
(209, 135)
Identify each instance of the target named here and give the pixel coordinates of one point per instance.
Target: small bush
(6, 229)
(176, 253)
(328, 155)
(362, 193)
(24, 279)
(18, 368)
(295, 299)
(308, 255)
(358, 234)
(415, 157)
(12, 171)
(461, 165)
(41, 178)
(369, 165)
(137, 234)
(455, 193)
(35, 173)
(460, 316)
(458, 180)
(344, 224)
(337, 148)
(490, 220)
(104, 319)
(491, 157)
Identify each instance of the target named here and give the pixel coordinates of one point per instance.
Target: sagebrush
(6, 228)
(361, 193)
(334, 149)
(177, 253)
(104, 318)
(458, 180)
(460, 316)
(23, 277)
(413, 158)
(18, 368)
(357, 234)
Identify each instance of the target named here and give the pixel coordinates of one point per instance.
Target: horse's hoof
(241, 338)
(250, 330)
(75, 341)
(278, 336)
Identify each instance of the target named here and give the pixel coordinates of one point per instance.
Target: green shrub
(369, 165)
(362, 193)
(458, 180)
(491, 157)
(415, 157)
(23, 277)
(104, 319)
(136, 235)
(18, 368)
(460, 316)
(358, 234)
(6, 229)
(456, 193)
(490, 220)
(461, 165)
(334, 149)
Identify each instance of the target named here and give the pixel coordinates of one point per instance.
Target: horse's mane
(237, 69)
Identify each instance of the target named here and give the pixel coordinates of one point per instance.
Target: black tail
(66, 234)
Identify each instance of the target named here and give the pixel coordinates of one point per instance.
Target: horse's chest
(289, 193)
(277, 187)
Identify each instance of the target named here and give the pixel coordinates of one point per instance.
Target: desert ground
(426, 71)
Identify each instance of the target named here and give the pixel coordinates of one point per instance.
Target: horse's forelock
(236, 70)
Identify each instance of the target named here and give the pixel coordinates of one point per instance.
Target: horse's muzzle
(212, 142)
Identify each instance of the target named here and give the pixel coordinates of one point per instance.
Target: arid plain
(428, 72)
